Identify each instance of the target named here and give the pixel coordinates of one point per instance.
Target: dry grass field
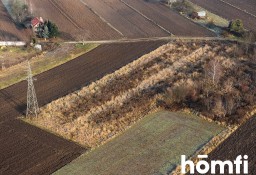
(10, 56)
(151, 146)
(16, 65)
(176, 76)
(118, 94)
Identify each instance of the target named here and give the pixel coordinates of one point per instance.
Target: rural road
(26, 149)
(167, 39)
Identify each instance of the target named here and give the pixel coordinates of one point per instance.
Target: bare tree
(213, 70)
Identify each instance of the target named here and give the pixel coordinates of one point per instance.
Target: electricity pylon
(32, 104)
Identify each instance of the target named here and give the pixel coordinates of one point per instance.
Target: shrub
(53, 29)
(236, 26)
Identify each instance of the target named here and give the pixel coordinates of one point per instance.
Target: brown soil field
(8, 30)
(248, 5)
(130, 23)
(74, 19)
(224, 10)
(73, 75)
(241, 142)
(169, 19)
(29, 150)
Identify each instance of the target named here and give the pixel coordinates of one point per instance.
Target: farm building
(35, 23)
(169, 2)
(199, 15)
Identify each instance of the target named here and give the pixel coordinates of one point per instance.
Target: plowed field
(130, 23)
(247, 5)
(8, 30)
(241, 142)
(168, 19)
(227, 11)
(74, 19)
(26, 149)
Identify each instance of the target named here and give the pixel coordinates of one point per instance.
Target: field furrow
(168, 19)
(74, 19)
(29, 150)
(126, 20)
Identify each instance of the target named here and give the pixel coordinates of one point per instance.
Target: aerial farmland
(232, 10)
(8, 30)
(126, 87)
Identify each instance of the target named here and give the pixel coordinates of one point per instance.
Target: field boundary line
(64, 14)
(128, 5)
(238, 8)
(103, 19)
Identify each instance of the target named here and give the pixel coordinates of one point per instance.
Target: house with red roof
(36, 23)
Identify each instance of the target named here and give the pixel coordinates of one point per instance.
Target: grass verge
(44, 62)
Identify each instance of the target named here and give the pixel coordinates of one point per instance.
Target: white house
(201, 14)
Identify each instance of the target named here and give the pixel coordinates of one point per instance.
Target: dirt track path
(167, 39)
(29, 150)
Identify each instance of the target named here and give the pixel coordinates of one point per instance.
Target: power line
(32, 104)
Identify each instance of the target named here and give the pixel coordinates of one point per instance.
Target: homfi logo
(204, 167)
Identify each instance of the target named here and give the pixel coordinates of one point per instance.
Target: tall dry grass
(99, 111)
(105, 108)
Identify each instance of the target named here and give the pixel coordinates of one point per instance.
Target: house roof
(35, 21)
(201, 13)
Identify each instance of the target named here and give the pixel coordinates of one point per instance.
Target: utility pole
(32, 104)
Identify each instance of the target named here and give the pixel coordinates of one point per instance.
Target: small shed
(198, 15)
(38, 47)
(201, 14)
